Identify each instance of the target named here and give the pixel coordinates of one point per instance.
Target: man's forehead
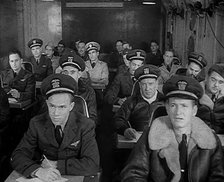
(137, 61)
(148, 80)
(194, 66)
(216, 76)
(179, 100)
(70, 68)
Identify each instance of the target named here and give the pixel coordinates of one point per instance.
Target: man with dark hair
(168, 68)
(50, 53)
(180, 146)
(81, 50)
(64, 139)
(17, 82)
(154, 57)
(116, 58)
(214, 89)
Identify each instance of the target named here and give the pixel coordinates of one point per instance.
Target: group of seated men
(61, 141)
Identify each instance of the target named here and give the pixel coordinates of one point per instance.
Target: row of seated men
(148, 85)
(62, 141)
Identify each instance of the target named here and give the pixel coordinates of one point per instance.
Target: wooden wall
(135, 23)
(8, 26)
(201, 33)
(23, 20)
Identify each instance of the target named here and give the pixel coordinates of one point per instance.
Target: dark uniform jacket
(87, 92)
(154, 59)
(156, 156)
(77, 155)
(116, 60)
(214, 117)
(121, 87)
(42, 69)
(137, 111)
(4, 115)
(23, 82)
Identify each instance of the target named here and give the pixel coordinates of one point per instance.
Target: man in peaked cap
(73, 65)
(64, 139)
(97, 71)
(41, 64)
(135, 109)
(174, 148)
(122, 85)
(195, 68)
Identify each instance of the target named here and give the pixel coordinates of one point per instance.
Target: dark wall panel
(137, 24)
(8, 26)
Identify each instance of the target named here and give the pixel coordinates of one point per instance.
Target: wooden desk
(19, 105)
(38, 84)
(14, 175)
(123, 143)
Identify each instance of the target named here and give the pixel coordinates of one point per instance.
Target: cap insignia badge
(146, 71)
(70, 59)
(138, 54)
(34, 41)
(182, 85)
(55, 83)
(90, 45)
(199, 58)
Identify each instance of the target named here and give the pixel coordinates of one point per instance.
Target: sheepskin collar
(162, 138)
(161, 134)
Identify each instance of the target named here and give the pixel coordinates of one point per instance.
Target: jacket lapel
(69, 131)
(49, 131)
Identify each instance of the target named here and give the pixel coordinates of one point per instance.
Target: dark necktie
(183, 158)
(58, 134)
(213, 98)
(93, 64)
(14, 74)
(37, 60)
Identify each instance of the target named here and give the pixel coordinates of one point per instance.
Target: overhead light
(149, 2)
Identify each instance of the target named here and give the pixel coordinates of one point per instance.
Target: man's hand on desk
(49, 164)
(15, 93)
(48, 174)
(130, 133)
(121, 101)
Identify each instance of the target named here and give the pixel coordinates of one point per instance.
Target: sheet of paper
(12, 100)
(22, 179)
(123, 139)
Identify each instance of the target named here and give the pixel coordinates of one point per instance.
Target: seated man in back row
(121, 87)
(135, 112)
(179, 147)
(17, 82)
(73, 65)
(64, 139)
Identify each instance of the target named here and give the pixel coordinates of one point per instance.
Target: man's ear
(195, 109)
(72, 105)
(79, 74)
(167, 106)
